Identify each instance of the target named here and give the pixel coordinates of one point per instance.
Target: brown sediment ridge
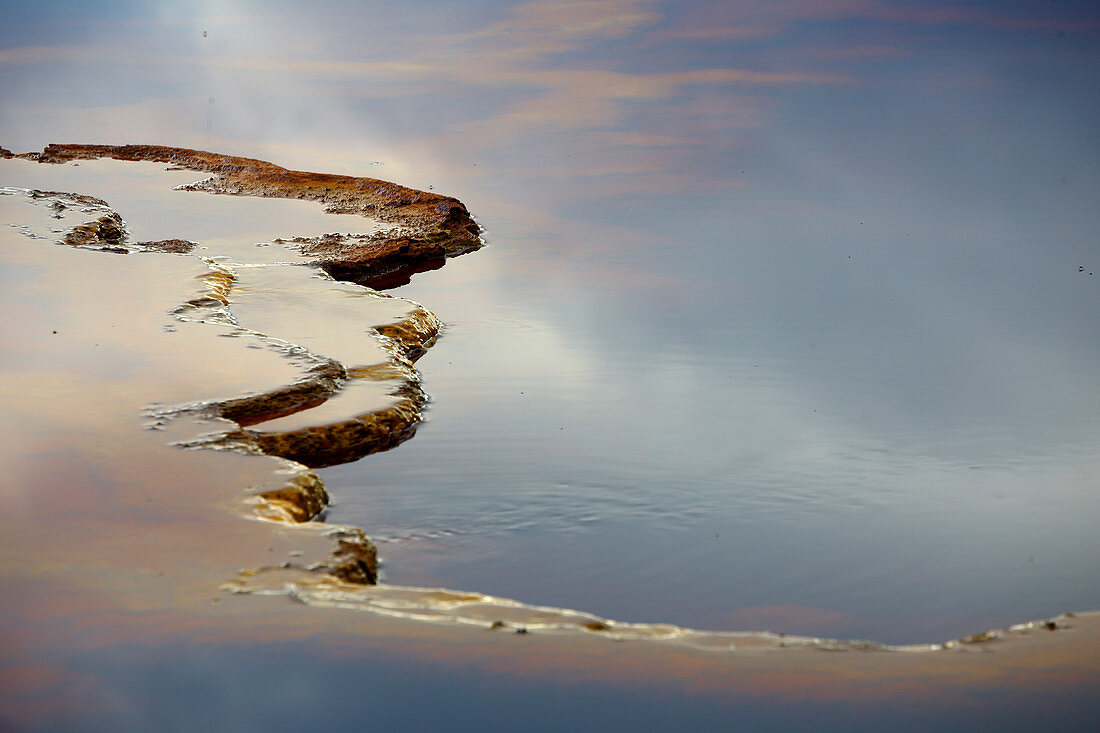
(323, 444)
(502, 615)
(301, 497)
(427, 229)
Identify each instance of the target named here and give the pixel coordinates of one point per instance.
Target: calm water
(833, 371)
(878, 460)
(781, 323)
(787, 317)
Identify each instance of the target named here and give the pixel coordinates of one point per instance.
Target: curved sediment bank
(280, 422)
(387, 412)
(426, 227)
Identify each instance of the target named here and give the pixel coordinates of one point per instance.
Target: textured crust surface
(427, 227)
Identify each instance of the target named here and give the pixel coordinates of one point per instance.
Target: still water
(832, 371)
(853, 453)
(787, 316)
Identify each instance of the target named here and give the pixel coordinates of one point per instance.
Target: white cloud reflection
(254, 77)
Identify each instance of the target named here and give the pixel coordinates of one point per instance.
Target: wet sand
(118, 535)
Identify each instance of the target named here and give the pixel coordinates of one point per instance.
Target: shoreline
(347, 580)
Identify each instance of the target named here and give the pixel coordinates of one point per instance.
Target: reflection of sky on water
(152, 684)
(826, 252)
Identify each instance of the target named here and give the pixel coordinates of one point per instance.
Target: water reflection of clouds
(630, 90)
(750, 307)
(542, 58)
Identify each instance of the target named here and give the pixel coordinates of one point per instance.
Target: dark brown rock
(106, 230)
(375, 261)
(355, 559)
(319, 383)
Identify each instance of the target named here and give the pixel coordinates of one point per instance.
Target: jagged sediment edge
(443, 606)
(404, 340)
(298, 496)
(426, 227)
(302, 497)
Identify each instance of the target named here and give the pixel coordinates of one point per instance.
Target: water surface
(787, 318)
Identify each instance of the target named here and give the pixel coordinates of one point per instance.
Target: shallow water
(786, 321)
(818, 357)
(157, 530)
(875, 481)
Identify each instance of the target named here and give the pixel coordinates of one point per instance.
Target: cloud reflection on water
(870, 209)
(889, 195)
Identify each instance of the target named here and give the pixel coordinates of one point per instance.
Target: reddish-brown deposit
(427, 227)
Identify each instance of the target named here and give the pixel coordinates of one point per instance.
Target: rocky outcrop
(172, 246)
(427, 227)
(377, 261)
(355, 559)
(301, 499)
(106, 230)
(318, 384)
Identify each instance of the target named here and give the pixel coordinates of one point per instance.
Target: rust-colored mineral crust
(172, 246)
(427, 228)
(349, 440)
(106, 230)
